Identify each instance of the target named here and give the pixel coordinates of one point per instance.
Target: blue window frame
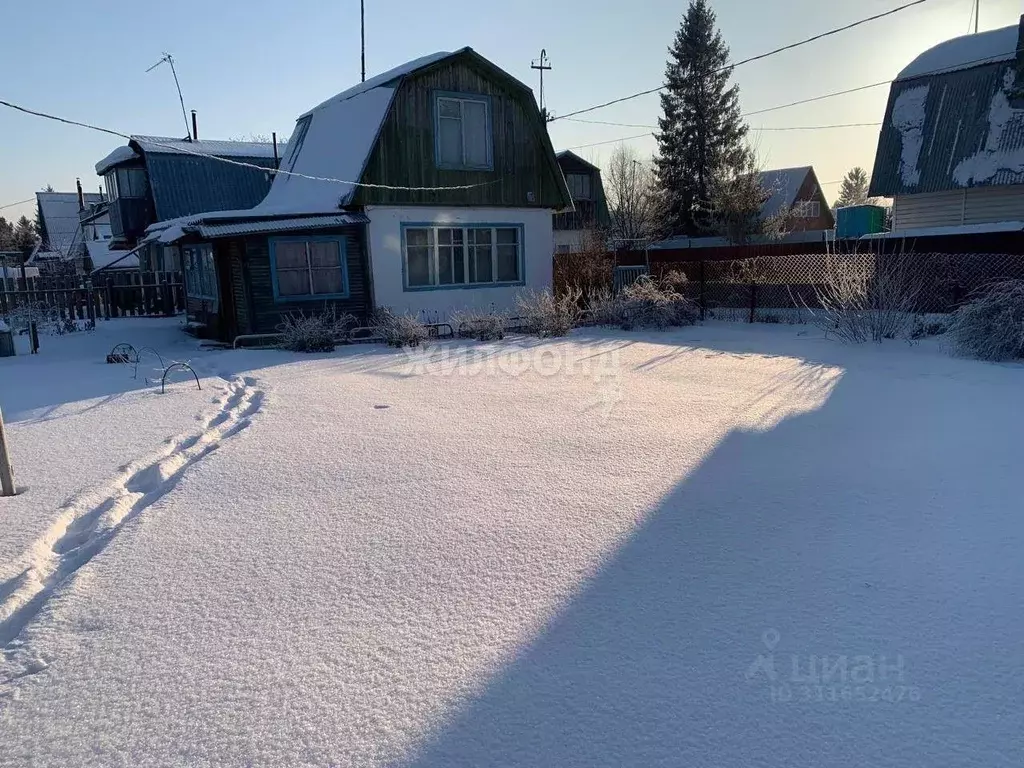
(200, 272)
(309, 268)
(446, 256)
(463, 135)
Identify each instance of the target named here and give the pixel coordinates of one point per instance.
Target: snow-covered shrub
(316, 332)
(866, 299)
(605, 309)
(923, 328)
(991, 326)
(479, 324)
(398, 330)
(648, 304)
(543, 314)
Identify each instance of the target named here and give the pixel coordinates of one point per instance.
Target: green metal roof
(183, 184)
(952, 130)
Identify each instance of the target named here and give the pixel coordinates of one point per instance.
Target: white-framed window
(579, 185)
(466, 256)
(310, 268)
(807, 209)
(463, 132)
(200, 272)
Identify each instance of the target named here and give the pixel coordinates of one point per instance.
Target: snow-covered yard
(723, 545)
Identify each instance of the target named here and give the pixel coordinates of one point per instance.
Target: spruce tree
(701, 132)
(854, 189)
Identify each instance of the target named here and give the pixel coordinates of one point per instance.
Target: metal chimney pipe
(277, 160)
(81, 195)
(195, 127)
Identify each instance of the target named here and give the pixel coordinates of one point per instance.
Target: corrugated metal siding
(956, 127)
(404, 154)
(978, 205)
(267, 314)
(183, 185)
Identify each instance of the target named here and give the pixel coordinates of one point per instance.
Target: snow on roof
(332, 141)
(101, 255)
(386, 77)
(965, 52)
(60, 217)
(784, 185)
(161, 144)
(120, 155)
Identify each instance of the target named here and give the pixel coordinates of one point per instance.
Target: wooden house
(797, 194)
(426, 189)
(589, 219)
(155, 178)
(951, 147)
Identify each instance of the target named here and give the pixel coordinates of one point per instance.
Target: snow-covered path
(604, 551)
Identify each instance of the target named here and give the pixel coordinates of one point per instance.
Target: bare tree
(738, 196)
(260, 138)
(633, 200)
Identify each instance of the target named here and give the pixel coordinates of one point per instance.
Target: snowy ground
(620, 549)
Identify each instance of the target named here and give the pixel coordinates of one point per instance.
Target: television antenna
(168, 59)
(544, 65)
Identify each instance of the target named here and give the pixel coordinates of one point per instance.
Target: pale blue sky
(252, 67)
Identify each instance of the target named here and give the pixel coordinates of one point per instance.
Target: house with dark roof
(573, 229)
(153, 178)
(796, 194)
(951, 147)
(425, 189)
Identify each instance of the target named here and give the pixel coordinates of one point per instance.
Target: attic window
(807, 209)
(579, 185)
(462, 132)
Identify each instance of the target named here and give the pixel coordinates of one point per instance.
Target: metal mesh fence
(752, 288)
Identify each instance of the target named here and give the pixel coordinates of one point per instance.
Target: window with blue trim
(436, 257)
(200, 272)
(463, 128)
(309, 269)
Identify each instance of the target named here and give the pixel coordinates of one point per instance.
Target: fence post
(6, 472)
(753, 301)
(107, 297)
(165, 294)
(703, 300)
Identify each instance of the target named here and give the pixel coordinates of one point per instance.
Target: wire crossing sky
(600, 50)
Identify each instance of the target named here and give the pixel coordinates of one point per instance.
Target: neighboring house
(153, 179)
(796, 194)
(574, 228)
(951, 149)
(426, 189)
(60, 230)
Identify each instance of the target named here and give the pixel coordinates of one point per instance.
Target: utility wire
(179, 148)
(785, 128)
(759, 57)
(20, 202)
(943, 70)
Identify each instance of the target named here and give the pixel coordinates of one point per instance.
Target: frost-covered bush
(398, 330)
(648, 304)
(479, 324)
(543, 314)
(316, 332)
(866, 299)
(923, 328)
(991, 326)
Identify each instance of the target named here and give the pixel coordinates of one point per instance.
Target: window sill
(316, 297)
(463, 286)
(444, 167)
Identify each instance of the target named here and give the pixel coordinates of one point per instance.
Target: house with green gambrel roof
(426, 189)
(951, 148)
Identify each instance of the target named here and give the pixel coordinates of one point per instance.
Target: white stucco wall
(385, 245)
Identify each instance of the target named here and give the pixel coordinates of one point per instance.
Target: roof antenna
(977, 14)
(168, 59)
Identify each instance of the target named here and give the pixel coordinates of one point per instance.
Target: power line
(816, 98)
(782, 128)
(20, 202)
(759, 57)
(179, 148)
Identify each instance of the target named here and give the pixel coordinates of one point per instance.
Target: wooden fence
(108, 295)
